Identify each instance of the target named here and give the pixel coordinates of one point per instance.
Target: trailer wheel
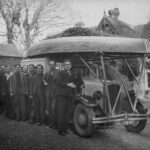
(137, 126)
(83, 120)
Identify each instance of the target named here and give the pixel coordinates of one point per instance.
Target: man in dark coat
(64, 93)
(3, 90)
(19, 90)
(1, 100)
(30, 104)
(25, 76)
(37, 93)
(9, 105)
(31, 71)
(50, 100)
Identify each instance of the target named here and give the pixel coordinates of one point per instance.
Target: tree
(10, 11)
(75, 31)
(135, 66)
(79, 24)
(26, 19)
(48, 13)
(78, 31)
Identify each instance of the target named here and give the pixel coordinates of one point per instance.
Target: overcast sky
(133, 12)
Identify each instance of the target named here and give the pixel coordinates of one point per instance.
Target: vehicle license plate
(128, 122)
(119, 123)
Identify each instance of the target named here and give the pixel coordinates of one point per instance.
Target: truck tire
(82, 119)
(140, 125)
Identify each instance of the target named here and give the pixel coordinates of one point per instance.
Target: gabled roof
(146, 31)
(121, 28)
(9, 50)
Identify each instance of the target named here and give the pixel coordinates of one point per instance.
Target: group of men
(28, 94)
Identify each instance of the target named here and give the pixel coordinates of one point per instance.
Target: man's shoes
(32, 122)
(61, 133)
(50, 126)
(24, 119)
(18, 119)
(54, 127)
(39, 123)
(12, 117)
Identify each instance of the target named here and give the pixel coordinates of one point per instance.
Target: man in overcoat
(50, 88)
(37, 94)
(18, 91)
(25, 76)
(30, 104)
(3, 91)
(64, 93)
(9, 102)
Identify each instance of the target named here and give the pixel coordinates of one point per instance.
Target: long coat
(3, 84)
(37, 86)
(62, 79)
(64, 98)
(24, 88)
(50, 77)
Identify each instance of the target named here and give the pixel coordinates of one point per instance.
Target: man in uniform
(50, 101)
(37, 94)
(64, 93)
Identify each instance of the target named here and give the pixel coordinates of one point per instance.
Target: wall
(9, 60)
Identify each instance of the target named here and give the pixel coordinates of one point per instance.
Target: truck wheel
(137, 126)
(82, 119)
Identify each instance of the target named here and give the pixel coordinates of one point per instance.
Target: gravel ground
(24, 136)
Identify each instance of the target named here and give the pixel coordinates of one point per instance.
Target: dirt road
(24, 136)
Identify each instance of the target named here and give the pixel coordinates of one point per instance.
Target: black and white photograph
(74, 74)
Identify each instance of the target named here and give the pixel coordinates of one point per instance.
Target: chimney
(114, 13)
(110, 12)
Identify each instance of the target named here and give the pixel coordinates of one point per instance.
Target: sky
(133, 12)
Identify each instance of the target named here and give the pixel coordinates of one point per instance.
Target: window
(148, 57)
(148, 79)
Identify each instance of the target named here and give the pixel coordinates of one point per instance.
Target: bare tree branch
(33, 18)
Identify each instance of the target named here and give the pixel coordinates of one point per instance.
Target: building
(111, 26)
(146, 31)
(146, 78)
(145, 34)
(9, 55)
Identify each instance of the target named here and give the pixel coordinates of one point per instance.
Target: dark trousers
(51, 108)
(32, 110)
(6, 102)
(62, 112)
(20, 106)
(39, 108)
(12, 108)
(28, 107)
(1, 105)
